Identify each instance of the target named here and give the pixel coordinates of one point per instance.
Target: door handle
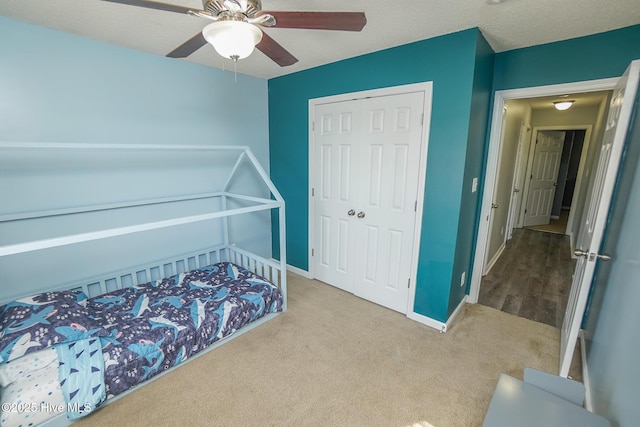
(360, 214)
(580, 252)
(351, 212)
(516, 190)
(494, 206)
(602, 257)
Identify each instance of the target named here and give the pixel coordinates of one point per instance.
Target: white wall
(515, 116)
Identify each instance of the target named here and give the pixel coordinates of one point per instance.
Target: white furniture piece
(570, 390)
(525, 404)
(219, 204)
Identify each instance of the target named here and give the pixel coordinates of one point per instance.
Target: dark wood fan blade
(342, 21)
(273, 50)
(153, 5)
(188, 47)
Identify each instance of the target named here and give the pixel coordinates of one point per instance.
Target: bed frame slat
(95, 286)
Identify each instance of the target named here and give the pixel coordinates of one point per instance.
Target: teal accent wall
(598, 56)
(476, 147)
(450, 62)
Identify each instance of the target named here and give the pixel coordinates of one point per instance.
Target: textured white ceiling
(507, 25)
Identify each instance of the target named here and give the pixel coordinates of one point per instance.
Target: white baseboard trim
(428, 321)
(588, 402)
(296, 270)
(494, 260)
(299, 271)
(436, 324)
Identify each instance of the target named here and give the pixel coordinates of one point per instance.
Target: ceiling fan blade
(342, 21)
(188, 47)
(153, 5)
(273, 50)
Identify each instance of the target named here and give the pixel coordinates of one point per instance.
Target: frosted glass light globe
(232, 39)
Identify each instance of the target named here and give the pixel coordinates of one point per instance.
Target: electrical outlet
(463, 278)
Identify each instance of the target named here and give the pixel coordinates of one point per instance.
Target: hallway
(558, 226)
(532, 278)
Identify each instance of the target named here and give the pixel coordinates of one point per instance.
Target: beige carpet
(335, 360)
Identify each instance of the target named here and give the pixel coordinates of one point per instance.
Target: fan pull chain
(235, 67)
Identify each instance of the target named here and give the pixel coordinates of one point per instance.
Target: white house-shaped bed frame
(272, 270)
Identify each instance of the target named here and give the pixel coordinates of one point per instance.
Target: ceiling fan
(235, 30)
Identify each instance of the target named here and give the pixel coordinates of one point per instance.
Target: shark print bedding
(155, 326)
(140, 331)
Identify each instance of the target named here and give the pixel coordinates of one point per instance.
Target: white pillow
(14, 370)
(34, 399)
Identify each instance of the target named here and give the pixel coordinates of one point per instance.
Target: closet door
(336, 133)
(387, 192)
(366, 159)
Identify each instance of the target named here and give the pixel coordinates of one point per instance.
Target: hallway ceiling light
(563, 105)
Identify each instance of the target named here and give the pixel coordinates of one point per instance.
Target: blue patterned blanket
(109, 343)
(155, 326)
(81, 374)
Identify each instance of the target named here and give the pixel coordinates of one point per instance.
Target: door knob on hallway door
(360, 214)
(580, 252)
(351, 212)
(602, 257)
(494, 206)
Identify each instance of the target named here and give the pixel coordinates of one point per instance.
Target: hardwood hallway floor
(532, 278)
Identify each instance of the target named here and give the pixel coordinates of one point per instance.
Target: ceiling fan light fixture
(562, 105)
(232, 39)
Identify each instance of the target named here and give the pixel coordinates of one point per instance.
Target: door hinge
(422, 119)
(313, 192)
(415, 206)
(312, 252)
(409, 283)
(313, 126)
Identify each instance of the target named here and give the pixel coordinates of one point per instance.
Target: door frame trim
(427, 89)
(492, 157)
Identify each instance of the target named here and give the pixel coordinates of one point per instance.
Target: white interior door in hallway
(543, 179)
(366, 163)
